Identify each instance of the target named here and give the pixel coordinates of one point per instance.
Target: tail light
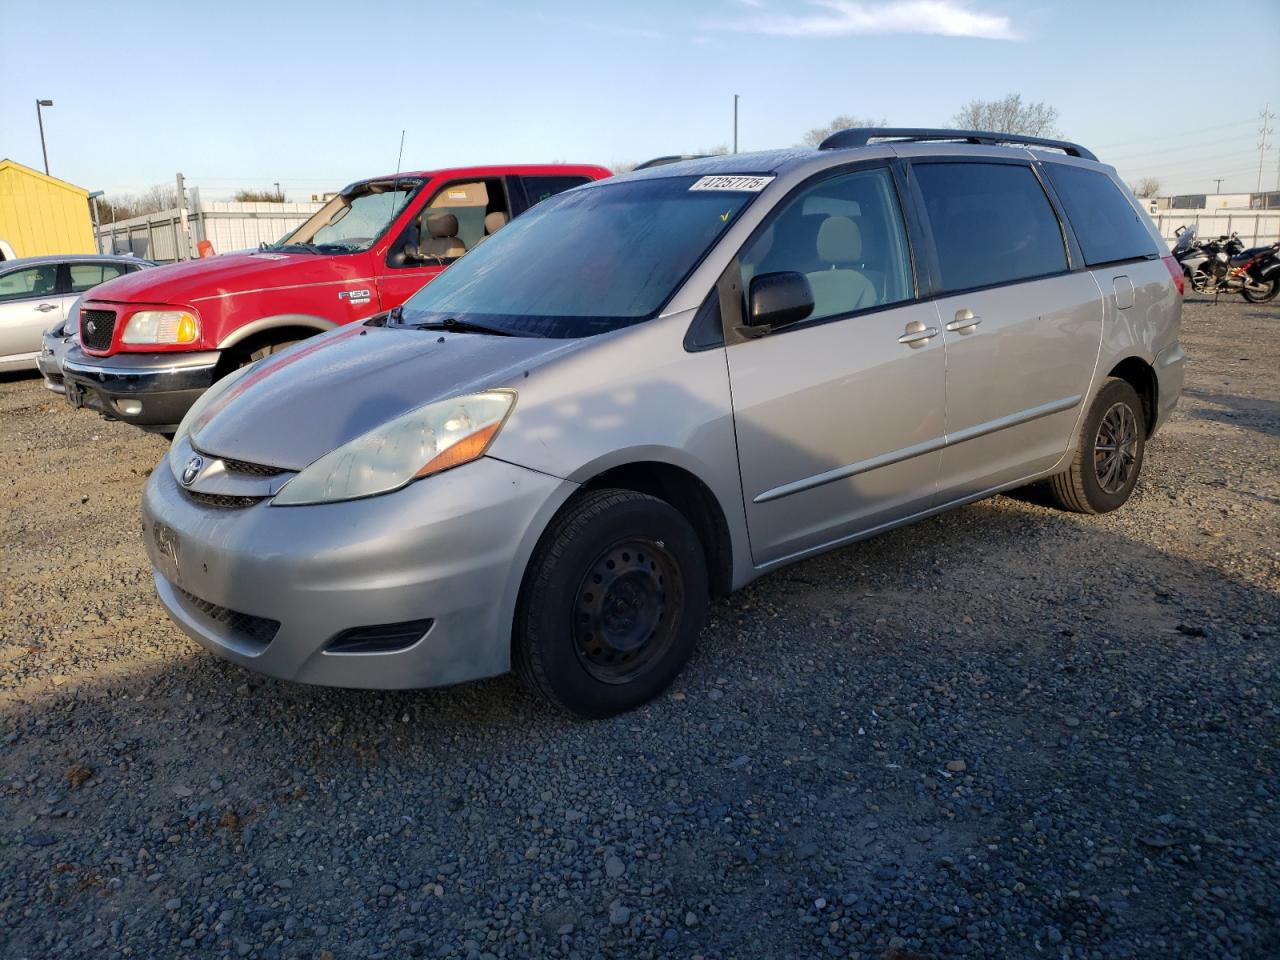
(1175, 271)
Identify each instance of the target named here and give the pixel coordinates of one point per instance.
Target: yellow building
(40, 214)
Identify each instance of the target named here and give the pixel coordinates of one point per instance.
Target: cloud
(844, 18)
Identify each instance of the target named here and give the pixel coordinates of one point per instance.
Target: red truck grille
(96, 328)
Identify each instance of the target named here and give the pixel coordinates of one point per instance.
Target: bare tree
(1009, 115)
(260, 196)
(125, 205)
(1147, 187)
(843, 122)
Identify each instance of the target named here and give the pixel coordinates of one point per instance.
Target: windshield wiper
(460, 326)
(305, 247)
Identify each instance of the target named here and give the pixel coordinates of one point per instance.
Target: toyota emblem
(192, 470)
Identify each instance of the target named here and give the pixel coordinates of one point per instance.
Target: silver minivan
(651, 390)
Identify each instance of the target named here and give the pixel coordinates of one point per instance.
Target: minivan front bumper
(277, 589)
(150, 390)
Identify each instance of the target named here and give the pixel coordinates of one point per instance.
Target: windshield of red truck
(352, 221)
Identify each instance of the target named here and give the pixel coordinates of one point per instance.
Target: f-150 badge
(354, 296)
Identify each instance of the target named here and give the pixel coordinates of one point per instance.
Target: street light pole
(735, 123)
(1217, 184)
(40, 120)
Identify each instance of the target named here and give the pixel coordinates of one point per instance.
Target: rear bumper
(150, 390)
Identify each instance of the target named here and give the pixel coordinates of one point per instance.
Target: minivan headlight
(161, 326)
(417, 444)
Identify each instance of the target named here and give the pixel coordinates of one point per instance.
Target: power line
(1172, 136)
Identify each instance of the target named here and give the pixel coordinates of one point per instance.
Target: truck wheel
(1108, 455)
(266, 350)
(612, 602)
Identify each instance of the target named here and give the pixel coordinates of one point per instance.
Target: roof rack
(676, 158)
(860, 136)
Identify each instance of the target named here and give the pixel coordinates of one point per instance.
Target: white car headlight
(162, 326)
(417, 444)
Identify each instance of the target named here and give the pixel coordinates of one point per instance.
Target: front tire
(612, 603)
(1261, 292)
(1109, 452)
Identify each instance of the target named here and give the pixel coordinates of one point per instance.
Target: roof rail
(861, 136)
(661, 161)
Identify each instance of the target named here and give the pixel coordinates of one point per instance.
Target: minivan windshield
(583, 262)
(353, 220)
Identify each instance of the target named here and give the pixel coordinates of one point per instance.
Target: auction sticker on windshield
(733, 182)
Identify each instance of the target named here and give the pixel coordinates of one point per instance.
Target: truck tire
(613, 600)
(1108, 455)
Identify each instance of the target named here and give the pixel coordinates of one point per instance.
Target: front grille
(222, 500)
(96, 328)
(252, 469)
(255, 631)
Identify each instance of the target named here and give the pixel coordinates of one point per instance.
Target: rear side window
(86, 275)
(540, 188)
(991, 223)
(1105, 222)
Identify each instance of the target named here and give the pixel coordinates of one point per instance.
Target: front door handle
(46, 307)
(964, 322)
(917, 334)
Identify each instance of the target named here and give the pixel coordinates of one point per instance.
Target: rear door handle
(964, 322)
(917, 334)
(46, 307)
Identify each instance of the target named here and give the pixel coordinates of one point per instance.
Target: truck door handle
(917, 334)
(964, 322)
(46, 307)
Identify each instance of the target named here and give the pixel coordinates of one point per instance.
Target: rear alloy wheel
(1109, 453)
(1260, 292)
(613, 601)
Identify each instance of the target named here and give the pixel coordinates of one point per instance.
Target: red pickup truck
(152, 342)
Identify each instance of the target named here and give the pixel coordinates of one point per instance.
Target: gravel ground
(1008, 731)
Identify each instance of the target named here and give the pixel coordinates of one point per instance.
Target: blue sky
(315, 94)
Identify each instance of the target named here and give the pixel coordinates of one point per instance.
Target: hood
(298, 405)
(190, 281)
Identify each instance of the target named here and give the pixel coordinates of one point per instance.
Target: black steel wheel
(628, 609)
(612, 602)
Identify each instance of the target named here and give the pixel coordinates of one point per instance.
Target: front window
(353, 220)
(583, 262)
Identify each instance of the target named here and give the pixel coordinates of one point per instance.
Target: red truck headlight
(162, 326)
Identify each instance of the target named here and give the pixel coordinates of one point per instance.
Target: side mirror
(779, 298)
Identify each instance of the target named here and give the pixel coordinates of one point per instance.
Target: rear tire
(1261, 292)
(612, 603)
(1109, 452)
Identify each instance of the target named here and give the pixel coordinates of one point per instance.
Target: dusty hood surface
(298, 405)
(191, 281)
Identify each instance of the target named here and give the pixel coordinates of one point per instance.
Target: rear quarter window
(1107, 225)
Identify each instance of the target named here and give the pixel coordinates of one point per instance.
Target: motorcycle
(1225, 266)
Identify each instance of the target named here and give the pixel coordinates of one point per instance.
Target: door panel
(815, 404)
(839, 419)
(29, 303)
(1016, 380)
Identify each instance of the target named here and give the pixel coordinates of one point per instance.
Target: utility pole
(182, 237)
(735, 123)
(277, 188)
(1217, 184)
(40, 120)
(1264, 131)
